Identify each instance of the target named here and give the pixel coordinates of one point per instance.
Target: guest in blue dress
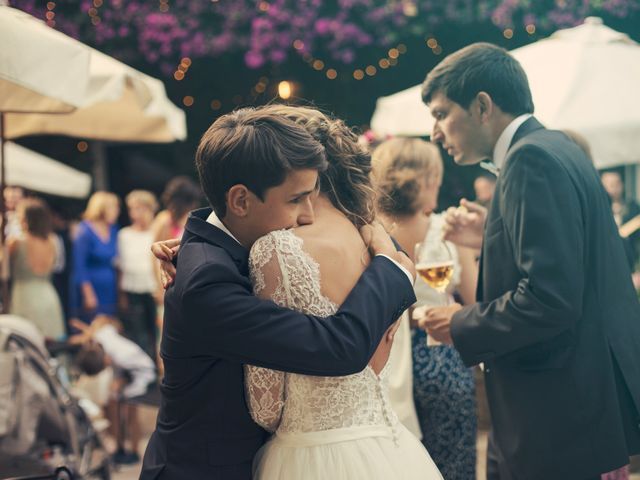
(94, 258)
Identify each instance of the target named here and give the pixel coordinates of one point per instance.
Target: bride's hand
(165, 252)
(379, 242)
(381, 355)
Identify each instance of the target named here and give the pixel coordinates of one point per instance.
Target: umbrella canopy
(34, 171)
(584, 78)
(120, 104)
(36, 79)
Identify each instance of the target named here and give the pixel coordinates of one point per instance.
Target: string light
(432, 43)
(531, 29)
(284, 90)
(437, 50)
(508, 33)
(164, 6)
(188, 101)
(216, 104)
(82, 146)
(182, 69)
(359, 73)
(264, 6)
(298, 44)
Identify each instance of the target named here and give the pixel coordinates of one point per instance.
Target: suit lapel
(197, 226)
(529, 126)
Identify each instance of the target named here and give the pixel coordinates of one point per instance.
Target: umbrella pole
(4, 267)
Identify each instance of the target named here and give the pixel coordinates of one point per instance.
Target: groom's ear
(238, 200)
(485, 106)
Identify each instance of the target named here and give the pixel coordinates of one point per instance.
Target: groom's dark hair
(481, 67)
(255, 148)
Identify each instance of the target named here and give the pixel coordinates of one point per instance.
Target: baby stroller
(44, 433)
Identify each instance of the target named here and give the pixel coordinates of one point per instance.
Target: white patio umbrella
(34, 171)
(584, 78)
(120, 104)
(41, 70)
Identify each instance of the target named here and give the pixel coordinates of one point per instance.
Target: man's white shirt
(504, 140)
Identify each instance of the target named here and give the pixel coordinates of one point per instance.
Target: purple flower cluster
(270, 31)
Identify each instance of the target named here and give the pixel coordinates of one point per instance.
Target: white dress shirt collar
(216, 222)
(504, 140)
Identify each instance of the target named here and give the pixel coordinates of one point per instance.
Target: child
(134, 370)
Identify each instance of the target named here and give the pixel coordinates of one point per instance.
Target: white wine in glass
(436, 274)
(434, 264)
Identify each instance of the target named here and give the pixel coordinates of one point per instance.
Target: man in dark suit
(557, 323)
(259, 172)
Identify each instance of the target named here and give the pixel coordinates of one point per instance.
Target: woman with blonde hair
(94, 256)
(33, 256)
(407, 173)
(138, 280)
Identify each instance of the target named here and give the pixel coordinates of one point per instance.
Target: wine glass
(434, 264)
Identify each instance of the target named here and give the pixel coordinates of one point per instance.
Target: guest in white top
(138, 281)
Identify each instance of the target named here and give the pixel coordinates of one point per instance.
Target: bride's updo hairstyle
(399, 167)
(346, 181)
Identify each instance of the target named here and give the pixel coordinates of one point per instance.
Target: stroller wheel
(62, 473)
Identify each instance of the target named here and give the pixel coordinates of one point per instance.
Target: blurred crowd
(90, 284)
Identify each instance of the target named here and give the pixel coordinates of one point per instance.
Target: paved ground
(148, 417)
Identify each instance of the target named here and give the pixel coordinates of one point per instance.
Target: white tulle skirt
(353, 453)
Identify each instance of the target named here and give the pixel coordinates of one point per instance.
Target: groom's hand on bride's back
(165, 252)
(380, 243)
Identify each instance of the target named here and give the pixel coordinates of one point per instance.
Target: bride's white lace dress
(325, 427)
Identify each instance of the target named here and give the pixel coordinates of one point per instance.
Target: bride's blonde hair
(346, 181)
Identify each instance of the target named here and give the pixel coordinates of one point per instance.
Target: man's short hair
(255, 148)
(481, 67)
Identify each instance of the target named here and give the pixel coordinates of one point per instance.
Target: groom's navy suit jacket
(213, 325)
(558, 321)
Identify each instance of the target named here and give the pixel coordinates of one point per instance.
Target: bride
(327, 427)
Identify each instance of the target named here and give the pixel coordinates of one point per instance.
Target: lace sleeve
(264, 387)
(265, 394)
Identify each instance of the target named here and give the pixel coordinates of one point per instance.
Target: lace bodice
(287, 402)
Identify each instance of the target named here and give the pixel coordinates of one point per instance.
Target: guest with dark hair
(33, 255)
(180, 196)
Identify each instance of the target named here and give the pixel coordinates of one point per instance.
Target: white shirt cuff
(404, 270)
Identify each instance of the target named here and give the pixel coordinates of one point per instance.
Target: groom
(557, 323)
(260, 173)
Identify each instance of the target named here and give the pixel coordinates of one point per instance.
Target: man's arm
(542, 217)
(230, 322)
